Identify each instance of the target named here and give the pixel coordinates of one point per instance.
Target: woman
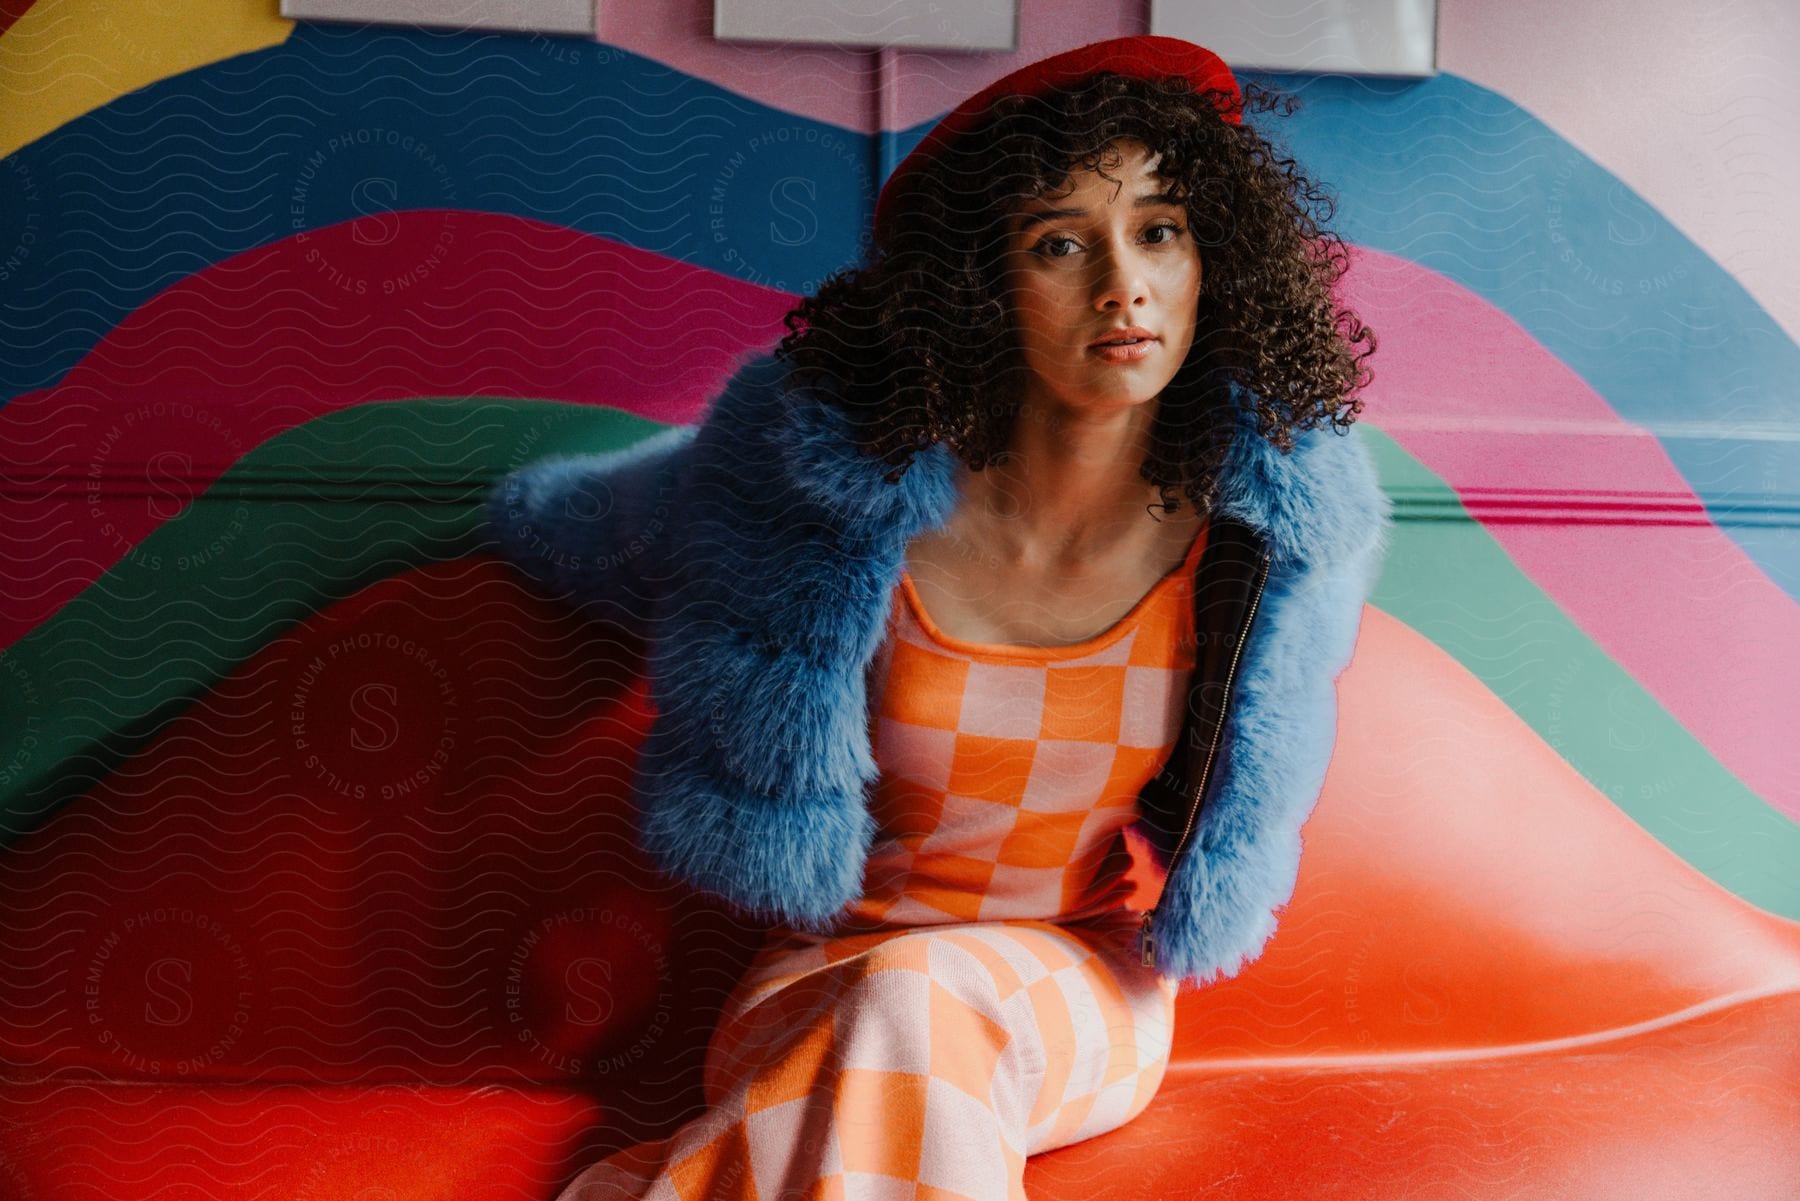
(932, 629)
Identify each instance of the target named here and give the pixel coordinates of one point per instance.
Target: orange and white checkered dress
(981, 1002)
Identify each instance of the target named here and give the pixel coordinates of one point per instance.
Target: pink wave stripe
(236, 354)
(1526, 443)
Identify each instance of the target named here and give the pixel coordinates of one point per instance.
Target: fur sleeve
(1220, 907)
(594, 530)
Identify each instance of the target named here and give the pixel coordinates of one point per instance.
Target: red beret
(1142, 56)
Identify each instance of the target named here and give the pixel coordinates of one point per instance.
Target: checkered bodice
(1009, 774)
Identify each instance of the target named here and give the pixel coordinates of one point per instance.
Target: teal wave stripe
(1448, 578)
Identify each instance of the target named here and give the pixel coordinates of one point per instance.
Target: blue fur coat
(759, 550)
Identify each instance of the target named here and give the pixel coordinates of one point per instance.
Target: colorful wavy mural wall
(280, 299)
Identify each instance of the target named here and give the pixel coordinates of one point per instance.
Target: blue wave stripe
(1461, 180)
(132, 197)
(188, 172)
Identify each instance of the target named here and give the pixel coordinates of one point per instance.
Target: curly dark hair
(918, 342)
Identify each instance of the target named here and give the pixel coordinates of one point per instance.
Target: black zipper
(1262, 577)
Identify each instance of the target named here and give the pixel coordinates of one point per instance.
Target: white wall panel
(915, 24)
(1349, 37)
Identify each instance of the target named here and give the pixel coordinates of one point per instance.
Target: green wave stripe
(1447, 578)
(308, 518)
(356, 496)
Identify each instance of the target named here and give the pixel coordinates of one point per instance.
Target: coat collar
(1312, 508)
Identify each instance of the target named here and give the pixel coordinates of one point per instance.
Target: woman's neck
(1066, 492)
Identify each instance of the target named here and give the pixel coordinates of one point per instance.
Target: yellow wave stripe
(63, 58)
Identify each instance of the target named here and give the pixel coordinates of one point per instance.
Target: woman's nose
(1119, 274)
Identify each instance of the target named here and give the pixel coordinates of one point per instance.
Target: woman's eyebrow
(1148, 200)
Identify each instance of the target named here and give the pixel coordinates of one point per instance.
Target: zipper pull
(1149, 940)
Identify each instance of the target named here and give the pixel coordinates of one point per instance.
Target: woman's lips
(1123, 352)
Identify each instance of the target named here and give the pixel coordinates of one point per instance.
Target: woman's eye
(1043, 247)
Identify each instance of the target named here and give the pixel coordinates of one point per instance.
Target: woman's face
(1095, 256)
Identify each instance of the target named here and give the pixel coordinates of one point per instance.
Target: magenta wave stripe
(1520, 438)
(1459, 385)
(257, 344)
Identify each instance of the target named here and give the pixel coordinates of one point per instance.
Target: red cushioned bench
(366, 921)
